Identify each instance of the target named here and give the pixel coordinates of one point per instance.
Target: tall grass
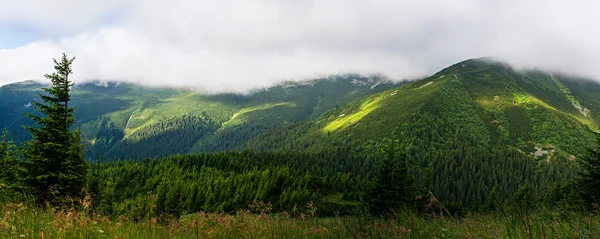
(23, 220)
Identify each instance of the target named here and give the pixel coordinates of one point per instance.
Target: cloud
(238, 45)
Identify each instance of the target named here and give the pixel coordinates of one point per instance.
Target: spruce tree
(492, 200)
(393, 185)
(589, 178)
(10, 165)
(56, 166)
(4, 143)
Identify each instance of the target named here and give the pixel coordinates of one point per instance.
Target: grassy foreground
(21, 221)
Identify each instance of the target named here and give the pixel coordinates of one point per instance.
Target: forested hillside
(473, 128)
(476, 137)
(124, 121)
(538, 113)
(299, 119)
(474, 134)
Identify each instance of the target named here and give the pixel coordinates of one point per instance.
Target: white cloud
(241, 44)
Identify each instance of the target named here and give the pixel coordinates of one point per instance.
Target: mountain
(481, 101)
(536, 112)
(126, 121)
(476, 127)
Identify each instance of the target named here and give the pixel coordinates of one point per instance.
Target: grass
(18, 220)
(235, 119)
(385, 109)
(186, 102)
(346, 121)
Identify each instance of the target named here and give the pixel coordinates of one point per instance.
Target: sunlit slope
(528, 109)
(125, 121)
(487, 102)
(483, 101)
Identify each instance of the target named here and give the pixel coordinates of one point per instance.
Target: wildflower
(23, 236)
(100, 231)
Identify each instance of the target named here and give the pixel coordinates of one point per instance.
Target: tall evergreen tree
(392, 187)
(589, 178)
(3, 143)
(55, 160)
(10, 165)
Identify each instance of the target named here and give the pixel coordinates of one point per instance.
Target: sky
(239, 45)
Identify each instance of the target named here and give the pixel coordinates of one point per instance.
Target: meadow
(21, 220)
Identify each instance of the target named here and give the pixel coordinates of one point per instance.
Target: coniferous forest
(446, 168)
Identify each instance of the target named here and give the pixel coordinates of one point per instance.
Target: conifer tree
(56, 167)
(3, 143)
(492, 200)
(10, 166)
(589, 178)
(392, 187)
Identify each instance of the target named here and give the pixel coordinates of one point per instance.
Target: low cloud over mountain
(238, 45)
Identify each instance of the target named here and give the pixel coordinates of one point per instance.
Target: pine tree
(589, 178)
(56, 166)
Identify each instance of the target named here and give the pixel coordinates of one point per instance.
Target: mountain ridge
(481, 98)
(475, 125)
(507, 104)
(121, 114)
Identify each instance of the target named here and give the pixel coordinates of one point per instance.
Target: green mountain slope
(481, 99)
(124, 121)
(538, 113)
(471, 128)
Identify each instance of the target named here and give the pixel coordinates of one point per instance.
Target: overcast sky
(223, 45)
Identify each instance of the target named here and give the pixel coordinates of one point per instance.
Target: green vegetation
(392, 186)
(494, 102)
(12, 168)
(589, 179)
(476, 150)
(23, 221)
(215, 182)
(119, 120)
(489, 101)
(56, 167)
